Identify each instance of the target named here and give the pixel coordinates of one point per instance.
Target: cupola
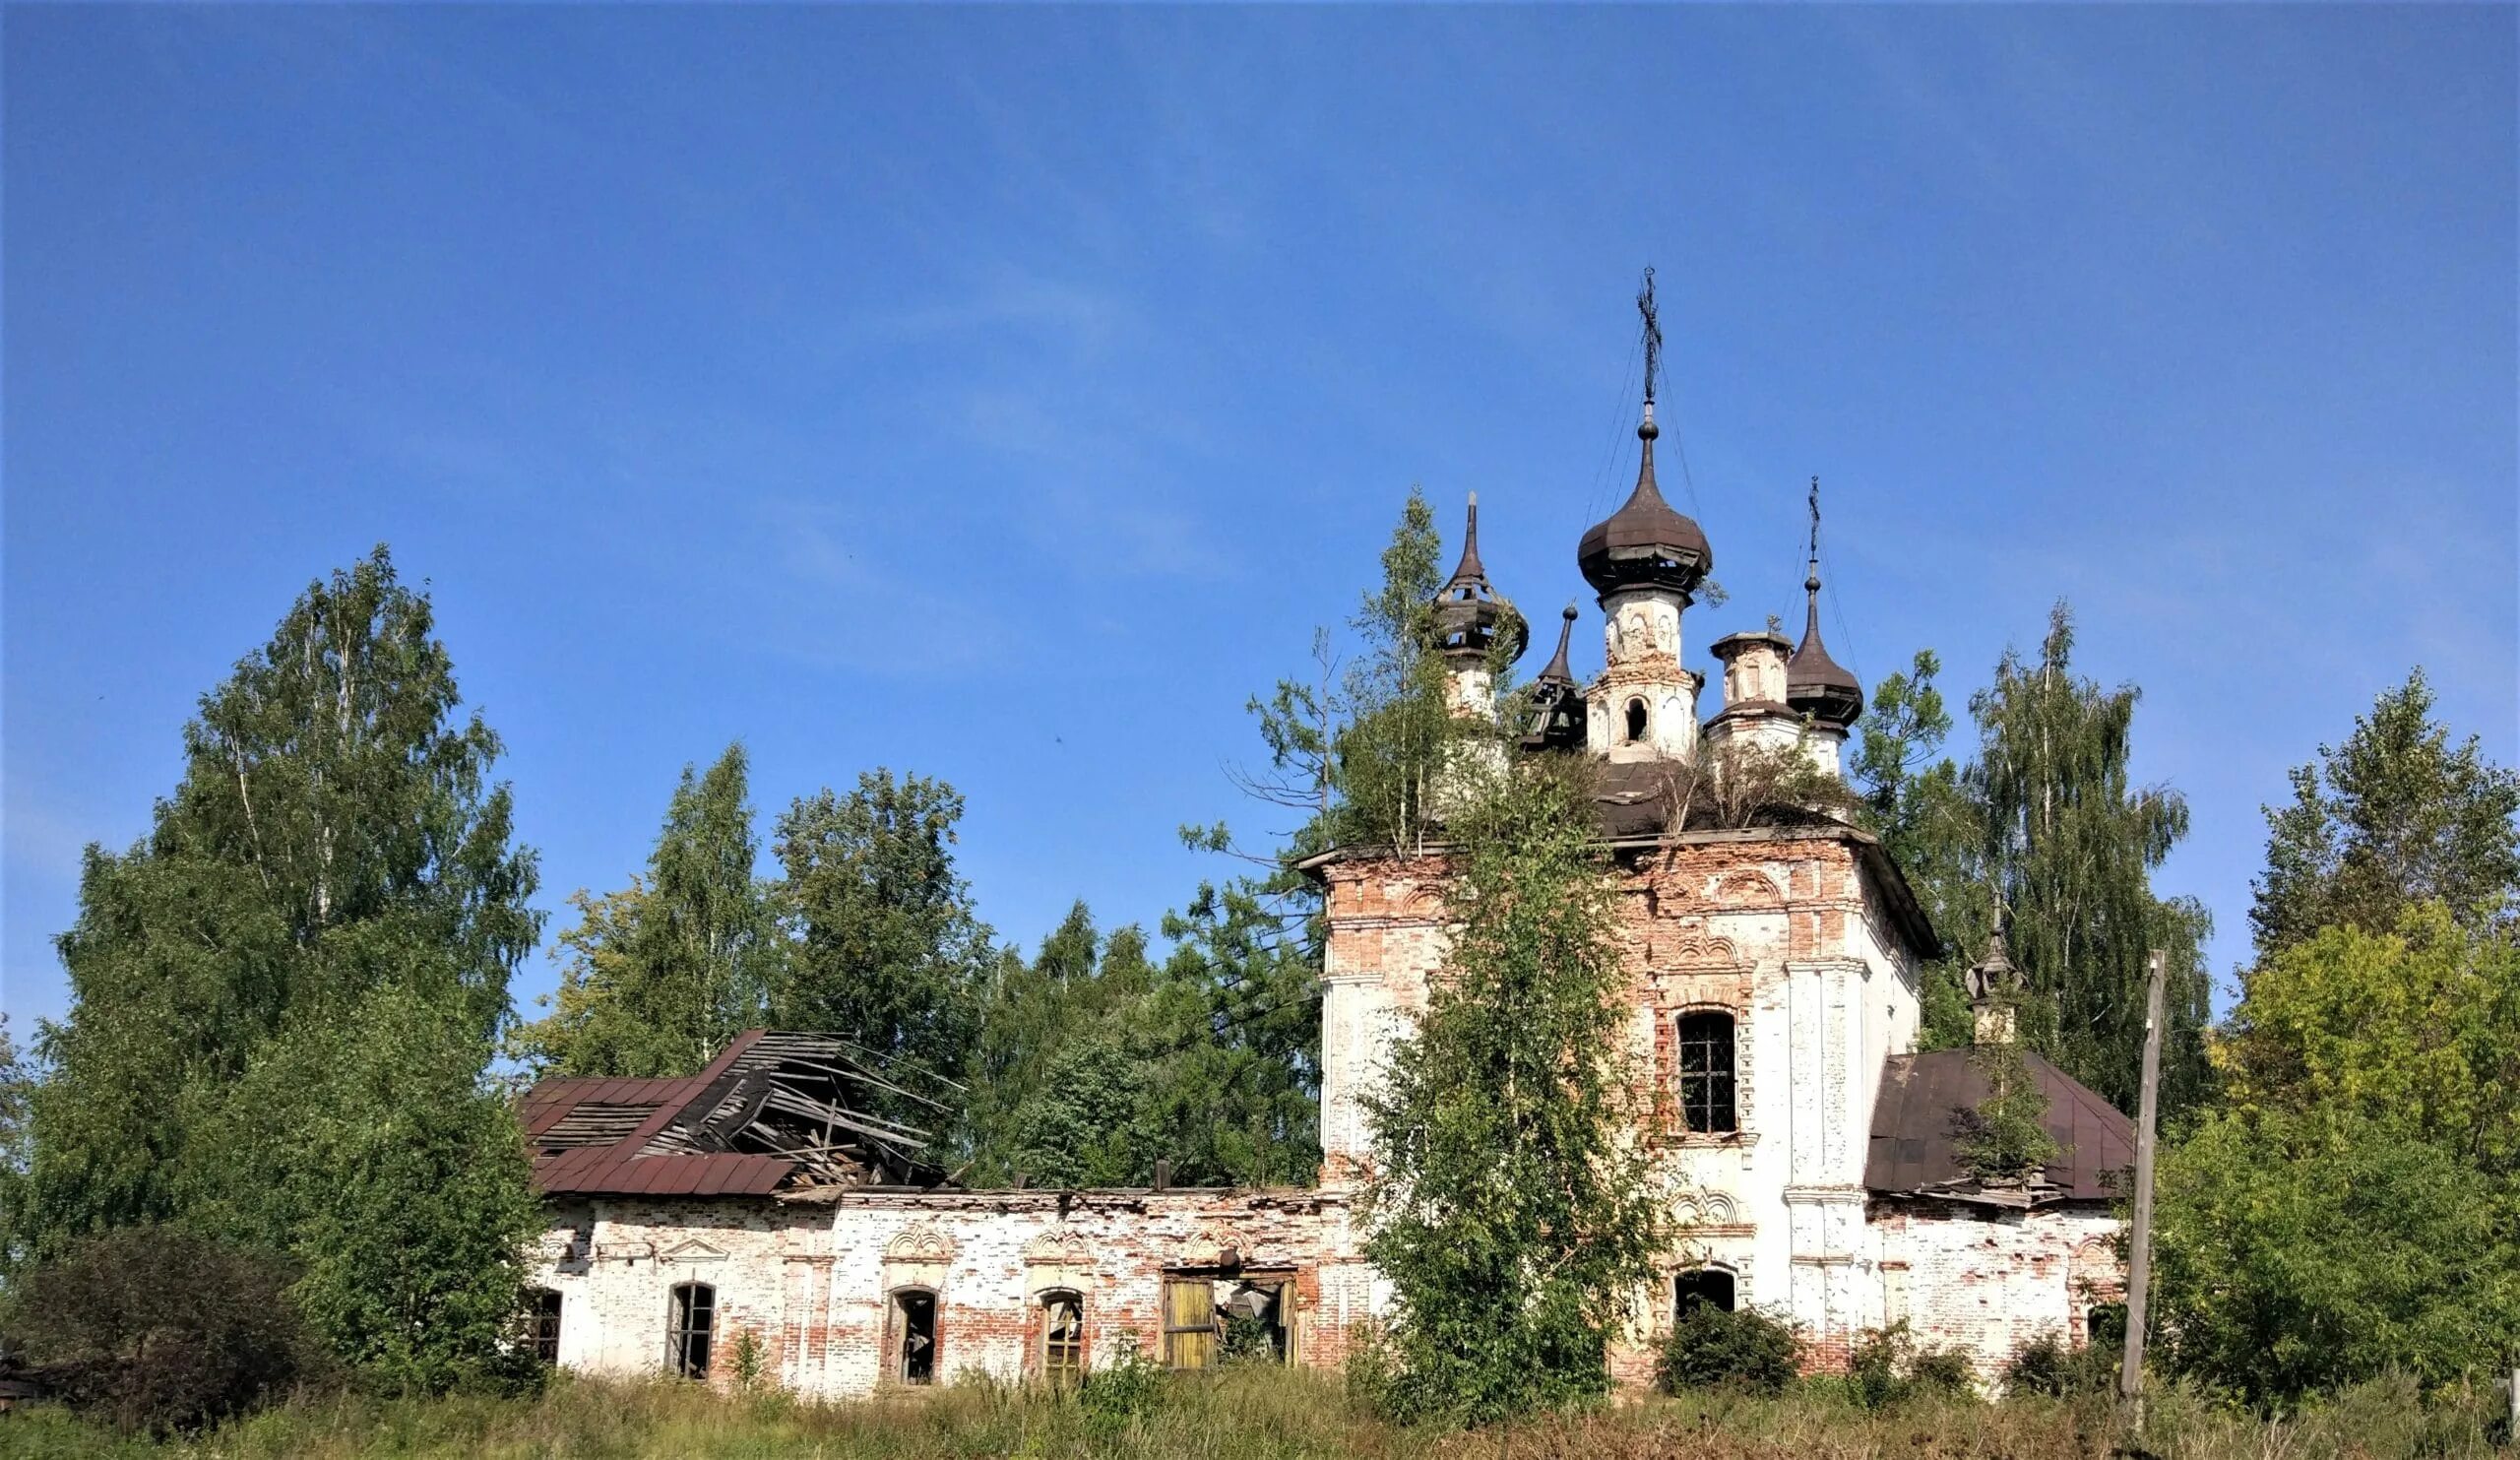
(1558, 701)
(1645, 543)
(1814, 683)
(1470, 615)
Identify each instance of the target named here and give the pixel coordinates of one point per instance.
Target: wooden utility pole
(2139, 1257)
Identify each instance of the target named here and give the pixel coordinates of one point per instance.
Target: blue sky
(1006, 394)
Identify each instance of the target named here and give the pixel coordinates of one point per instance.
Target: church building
(752, 1223)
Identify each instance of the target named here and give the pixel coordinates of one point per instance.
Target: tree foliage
(888, 950)
(2046, 828)
(663, 973)
(2300, 1252)
(1511, 1213)
(323, 920)
(2417, 1028)
(2393, 816)
(2004, 1137)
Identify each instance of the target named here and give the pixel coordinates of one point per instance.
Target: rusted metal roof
(1646, 541)
(1912, 1155)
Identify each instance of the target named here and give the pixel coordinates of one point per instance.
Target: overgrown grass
(1266, 1414)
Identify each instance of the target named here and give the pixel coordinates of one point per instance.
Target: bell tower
(1644, 560)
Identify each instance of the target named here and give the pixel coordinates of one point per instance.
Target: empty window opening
(1062, 1337)
(1701, 1286)
(2104, 1325)
(1706, 1071)
(1254, 1320)
(1636, 720)
(914, 1336)
(691, 1321)
(542, 1318)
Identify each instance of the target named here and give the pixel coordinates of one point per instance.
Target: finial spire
(1815, 683)
(1652, 348)
(1811, 577)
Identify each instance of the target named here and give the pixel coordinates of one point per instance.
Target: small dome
(1814, 683)
(1558, 701)
(1646, 542)
(1469, 614)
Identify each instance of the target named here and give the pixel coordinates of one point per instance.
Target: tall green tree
(2417, 1030)
(888, 951)
(2394, 816)
(2296, 1252)
(2071, 843)
(663, 973)
(335, 850)
(1916, 800)
(1515, 1220)
(2044, 829)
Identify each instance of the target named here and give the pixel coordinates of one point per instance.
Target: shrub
(1128, 1388)
(159, 1329)
(1886, 1368)
(2048, 1365)
(1711, 1348)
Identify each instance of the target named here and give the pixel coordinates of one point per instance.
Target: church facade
(1805, 1146)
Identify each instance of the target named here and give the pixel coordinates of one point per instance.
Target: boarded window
(543, 1320)
(913, 1339)
(1706, 1071)
(1710, 1286)
(1189, 1322)
(1062, 1336)
(691, 1319)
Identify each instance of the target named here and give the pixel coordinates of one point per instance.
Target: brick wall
(812, 1283)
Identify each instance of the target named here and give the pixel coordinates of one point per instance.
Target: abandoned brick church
(753, 1217)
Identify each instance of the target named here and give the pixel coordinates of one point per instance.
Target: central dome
(1645, 543)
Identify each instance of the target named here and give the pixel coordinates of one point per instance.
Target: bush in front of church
(1710, 1348)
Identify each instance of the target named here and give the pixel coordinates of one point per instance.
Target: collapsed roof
(777, 1112)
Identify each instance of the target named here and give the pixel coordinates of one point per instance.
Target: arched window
(690, 1322)
(1701, 1285)
(543, 1320)
(2104, 1325)
(914, 1335)
(1706, 1071)
(1636, 720)
(1062, 1336)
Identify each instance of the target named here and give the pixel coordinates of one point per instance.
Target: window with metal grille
(543, 1312)
(1189, 1322)
(914, 1321)
(1706, 1071)
(1701, 1286)
(1062, 1337)
(691, 1320)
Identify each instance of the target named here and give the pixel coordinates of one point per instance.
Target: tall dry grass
(1265, 1413)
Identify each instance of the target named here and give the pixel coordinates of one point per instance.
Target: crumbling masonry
(751, 1222)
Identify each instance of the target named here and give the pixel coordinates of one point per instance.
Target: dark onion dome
(1814, 683)
(1469, 614)
(1558, 701)
(1645, 543)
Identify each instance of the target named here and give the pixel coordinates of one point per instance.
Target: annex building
(753, 1220)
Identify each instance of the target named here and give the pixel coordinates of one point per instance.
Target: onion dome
(1646, 542)
(1469, 614)
(1814, 683)
(1558, 701)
